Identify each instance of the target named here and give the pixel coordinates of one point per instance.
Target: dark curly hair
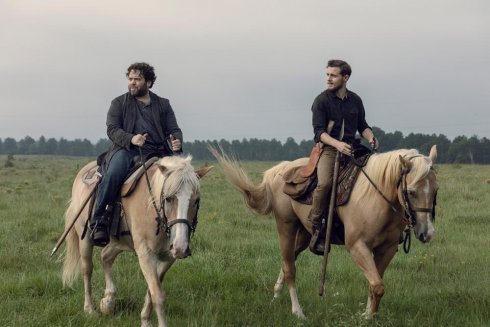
(146, 70)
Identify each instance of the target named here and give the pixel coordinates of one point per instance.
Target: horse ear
(433, 153)
(406, 164)
(203, 171)
(162, 168)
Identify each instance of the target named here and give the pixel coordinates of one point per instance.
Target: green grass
(229, 279)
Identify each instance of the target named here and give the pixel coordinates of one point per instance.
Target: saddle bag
(302, 180)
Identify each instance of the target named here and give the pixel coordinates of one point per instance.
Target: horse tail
(72, 255)
(257, 197)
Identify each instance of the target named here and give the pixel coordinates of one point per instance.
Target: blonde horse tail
(72, 255)
(257, 197)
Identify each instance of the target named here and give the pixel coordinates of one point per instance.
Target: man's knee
(325, 183)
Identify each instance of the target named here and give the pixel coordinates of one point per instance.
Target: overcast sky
(236, 69)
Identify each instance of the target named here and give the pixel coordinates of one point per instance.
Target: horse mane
(176, 171)
(385, 168)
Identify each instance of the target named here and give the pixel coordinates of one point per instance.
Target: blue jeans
(110, 185)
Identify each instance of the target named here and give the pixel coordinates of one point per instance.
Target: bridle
(163, 224)
(410, 211)
(409, 218)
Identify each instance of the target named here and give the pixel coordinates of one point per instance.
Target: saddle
(94, 174)
(300, 188)
(91, 176)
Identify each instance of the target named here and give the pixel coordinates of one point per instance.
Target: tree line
(461, 149)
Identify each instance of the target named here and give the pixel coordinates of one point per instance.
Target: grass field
(230, 277)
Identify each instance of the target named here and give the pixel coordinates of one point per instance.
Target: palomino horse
(373, 225)
(176, 188)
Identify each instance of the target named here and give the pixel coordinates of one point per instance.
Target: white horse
(176, 187)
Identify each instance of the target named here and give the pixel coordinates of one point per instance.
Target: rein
(162, 222)
(373, 184)
(410, 212)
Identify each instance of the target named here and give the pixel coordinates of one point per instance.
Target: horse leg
(278, 285)
(86, 268)
(148, 264)
(108, 255)
(287, 236)
(363, 257)
(302, 240)
(162, 268)
(382, 257)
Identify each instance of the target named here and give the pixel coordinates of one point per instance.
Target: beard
(139, 92)
(334, 88)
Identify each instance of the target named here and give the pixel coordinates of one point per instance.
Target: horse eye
(412, 193)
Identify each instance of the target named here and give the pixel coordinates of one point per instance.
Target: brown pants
(324, 171)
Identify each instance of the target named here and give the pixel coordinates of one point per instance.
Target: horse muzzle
(179, 241)
(424, 234)
(178, 253)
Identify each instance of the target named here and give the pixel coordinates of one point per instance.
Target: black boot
(317, 242)
(99, 234)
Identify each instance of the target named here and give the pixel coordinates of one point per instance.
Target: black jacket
(121, 118)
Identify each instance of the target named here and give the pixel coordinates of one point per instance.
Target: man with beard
(336, 111)
(137, 121)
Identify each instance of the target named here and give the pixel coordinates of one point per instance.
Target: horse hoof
(145, 323)
(367, 315)
(277, 290)
(299, 314)
(107, 306)
(89, 310)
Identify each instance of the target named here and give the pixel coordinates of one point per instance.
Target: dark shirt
(145, 124)
(328, 106)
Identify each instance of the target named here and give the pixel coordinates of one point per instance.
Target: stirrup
(317, 243)
(99, 235)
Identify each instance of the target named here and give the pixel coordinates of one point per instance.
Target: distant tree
(443, 145)
(389, 141)
(51, 146)
(474, 150)
(81, 148)
(290, 149)
(273, 149)
(304, 148)
(484, 155)
(25, 145)
(10, 146)
(40, 146)
(102, 145)
(461, 150)
(63, 147)
(458, 151)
